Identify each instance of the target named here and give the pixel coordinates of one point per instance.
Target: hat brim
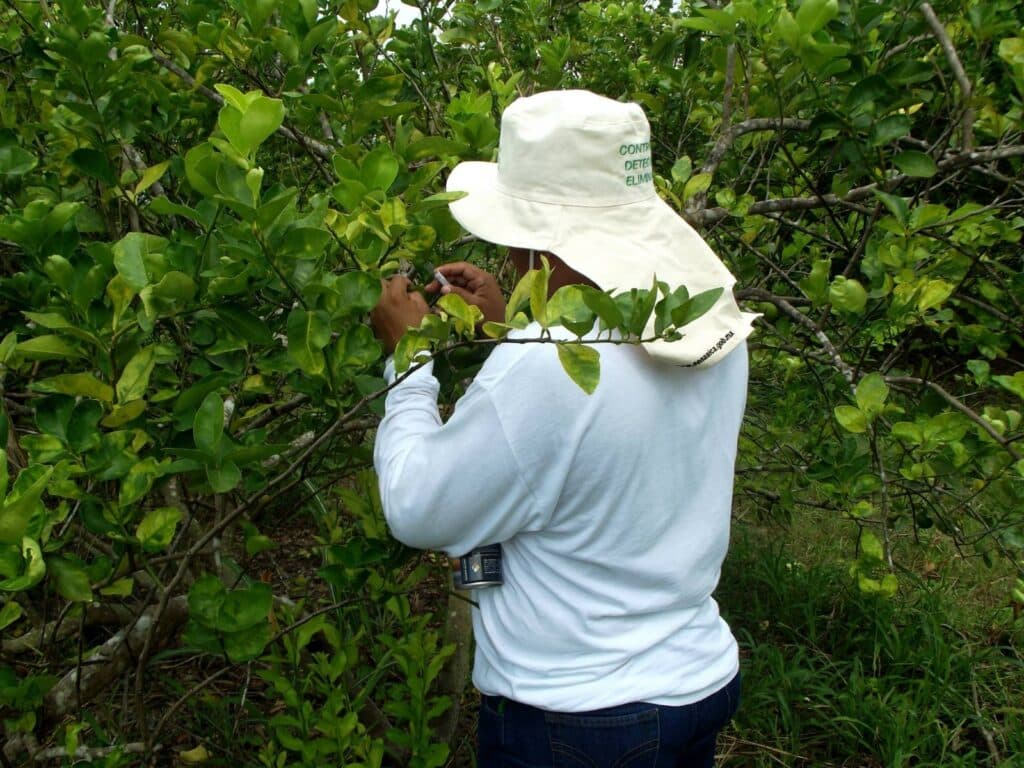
(619, 247)
(495, 216)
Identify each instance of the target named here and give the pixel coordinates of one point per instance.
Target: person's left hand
(397, 311)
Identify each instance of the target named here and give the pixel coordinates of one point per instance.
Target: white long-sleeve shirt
(613, 510)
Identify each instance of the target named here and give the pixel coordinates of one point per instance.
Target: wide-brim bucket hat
(574, 178)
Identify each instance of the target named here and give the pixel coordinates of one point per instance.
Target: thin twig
(837, 360)
(973, 416)
(967, 121)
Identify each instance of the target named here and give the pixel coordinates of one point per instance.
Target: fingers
(416, 299)
(397, 285)
(464, 273)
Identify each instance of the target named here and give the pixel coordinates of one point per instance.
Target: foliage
(197, 201)
(834, 675)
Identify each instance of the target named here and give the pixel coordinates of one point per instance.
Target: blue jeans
(514, 735)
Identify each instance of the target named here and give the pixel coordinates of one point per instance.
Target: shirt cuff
(425, 370)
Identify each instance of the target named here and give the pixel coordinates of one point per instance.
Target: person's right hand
(475, 286)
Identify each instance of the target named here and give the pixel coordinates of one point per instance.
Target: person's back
(608, 599)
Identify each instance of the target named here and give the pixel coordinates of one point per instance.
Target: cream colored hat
(574, 178)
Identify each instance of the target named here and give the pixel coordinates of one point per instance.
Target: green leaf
(872, 392)
(22, 503)
(495, 330)
(93, 163)
(682, 169)
(119, 588)
(245, 608)
(467, 316)
(201, 165)
(520, 295)
(815, 14)
(130, 258)
(908, 431)
(151, 176)
(84, 384)
(696, 306)
(208, 426)
(871, 547)
(851, 418)
(305, 242)
(49, 347)
(122, 414)
(71, 580)
(890, 128)
(135, 376)
(379, 168)
(205, 598)
(247, 129)
(914, 163)
(34, 571)
(847, 295)
(815, 285)
(156, 531)
(699, 182)
(604, 307)
(9, 614)
(946, 427)
(225, 477)
(139, 481)
(539, 293)
(244, 324)
(1014, 383)
(897, 205)
(788, 30)
(308, 334)
(233, 96)
(582, 363)
(262, 118)
(567, 308)
(934, 295)
(120, 294)
(15, 161)
(247, 645)
(256, 542)
(175, 286)
(357, 292)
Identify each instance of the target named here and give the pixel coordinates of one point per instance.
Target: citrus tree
(198, 201)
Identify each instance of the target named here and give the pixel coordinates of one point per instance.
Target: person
(604, 646)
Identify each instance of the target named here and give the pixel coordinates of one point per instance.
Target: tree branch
(951, 161)
(967, 121)
(837, 360)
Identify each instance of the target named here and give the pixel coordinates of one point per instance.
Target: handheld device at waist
(478, 569)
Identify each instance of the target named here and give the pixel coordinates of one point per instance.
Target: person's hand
(475, 286)
(397, 311)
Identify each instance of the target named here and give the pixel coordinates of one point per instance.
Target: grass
(931, 677)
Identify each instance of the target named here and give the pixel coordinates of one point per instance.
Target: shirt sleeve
(452, 486)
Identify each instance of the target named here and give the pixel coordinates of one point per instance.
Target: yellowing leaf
(699, 182)
(582, 363)
(84, 384)
(151, 176)
(194, 756)
(135, 376)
